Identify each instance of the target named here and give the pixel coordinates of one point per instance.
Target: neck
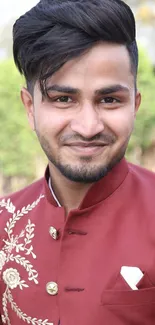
(69, 194)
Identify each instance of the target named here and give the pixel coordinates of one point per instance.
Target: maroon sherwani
(67, 269)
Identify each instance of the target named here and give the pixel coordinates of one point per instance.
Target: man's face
(85, 124)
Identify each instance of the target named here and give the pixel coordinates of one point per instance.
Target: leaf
(34, 256)
(25, 285)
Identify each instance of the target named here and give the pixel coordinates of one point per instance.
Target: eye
(63, 99)
(109, 100)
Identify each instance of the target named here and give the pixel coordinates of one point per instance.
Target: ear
(137, 101)
(27, 100)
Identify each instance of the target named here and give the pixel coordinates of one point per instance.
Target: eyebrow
(63, 89)
(112, 89)
(103, 91)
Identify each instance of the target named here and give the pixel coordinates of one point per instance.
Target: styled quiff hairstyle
(56, 31)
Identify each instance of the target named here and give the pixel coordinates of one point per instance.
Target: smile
(87, 150)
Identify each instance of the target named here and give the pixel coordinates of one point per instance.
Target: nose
(88, 122)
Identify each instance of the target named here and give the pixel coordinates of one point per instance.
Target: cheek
(49, 122)
(121, 122)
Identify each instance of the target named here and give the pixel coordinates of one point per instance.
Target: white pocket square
(132, 275)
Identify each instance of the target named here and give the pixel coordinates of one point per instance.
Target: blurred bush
(144, 134)
(18, 145)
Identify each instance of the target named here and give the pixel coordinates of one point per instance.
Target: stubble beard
(83, 173)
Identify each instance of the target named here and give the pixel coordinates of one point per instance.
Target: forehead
(102, 65)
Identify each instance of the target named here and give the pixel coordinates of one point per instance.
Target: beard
(85, 172)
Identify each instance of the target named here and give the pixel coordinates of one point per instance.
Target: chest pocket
(130, 307)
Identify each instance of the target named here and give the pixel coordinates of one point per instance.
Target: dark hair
(55, 31)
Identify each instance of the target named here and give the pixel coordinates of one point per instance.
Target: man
(78, 246)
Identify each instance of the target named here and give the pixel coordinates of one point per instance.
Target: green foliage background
(144, 133)
(18, 144)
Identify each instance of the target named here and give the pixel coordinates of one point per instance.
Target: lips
(87, 149)
(86, 145)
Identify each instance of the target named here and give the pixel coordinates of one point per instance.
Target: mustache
(102, 138)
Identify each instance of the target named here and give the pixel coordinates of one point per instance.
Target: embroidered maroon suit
(71, 272)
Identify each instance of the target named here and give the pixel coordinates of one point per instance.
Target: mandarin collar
(100, 190)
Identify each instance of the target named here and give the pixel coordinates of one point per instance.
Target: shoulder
(16, 201)
(141, 172)
(142, 176)
(29, 191)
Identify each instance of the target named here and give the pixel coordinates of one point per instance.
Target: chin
(83, 173)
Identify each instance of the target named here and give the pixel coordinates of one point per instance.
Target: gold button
(54, 233)
(52, 288)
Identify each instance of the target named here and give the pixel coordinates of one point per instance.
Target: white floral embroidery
(8, 205)
(19, 243)
(7, 296)
(2, 259)
(3, 319)
(12, 279)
